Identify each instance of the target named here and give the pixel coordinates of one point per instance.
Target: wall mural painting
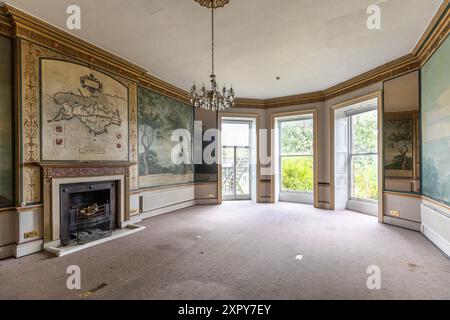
(158, 117)
(399, 148)
(436, 125)
(84, 114)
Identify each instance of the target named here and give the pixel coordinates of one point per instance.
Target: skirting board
(202, 202)
(25, 249)
(440, 242)
(7, 251)
(436, 226)
(157, 212)
(411, 225)
(21, 250)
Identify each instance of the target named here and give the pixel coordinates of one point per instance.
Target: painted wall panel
(436, 125)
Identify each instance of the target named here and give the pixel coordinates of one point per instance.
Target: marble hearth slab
(116, 234)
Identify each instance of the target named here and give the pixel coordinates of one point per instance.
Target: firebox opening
(88, 211)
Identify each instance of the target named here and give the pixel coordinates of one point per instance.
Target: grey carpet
(243, 251)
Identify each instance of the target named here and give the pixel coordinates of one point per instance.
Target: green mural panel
(165, 140)
(6, 121)
(436, 125)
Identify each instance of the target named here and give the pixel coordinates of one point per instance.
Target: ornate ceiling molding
(164, 88)
(213, 3)
(6, 25)
(16, 23)
(436, 33)
(32, 29)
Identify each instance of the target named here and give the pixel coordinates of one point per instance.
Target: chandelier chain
(213, 99)
(212, 37)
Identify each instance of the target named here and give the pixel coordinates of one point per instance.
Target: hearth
(88, 211)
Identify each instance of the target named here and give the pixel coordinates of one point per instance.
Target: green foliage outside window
(364, 164)
(365, 177)
(296, 144)
(297, 174)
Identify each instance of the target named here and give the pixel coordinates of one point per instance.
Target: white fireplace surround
(56, 199)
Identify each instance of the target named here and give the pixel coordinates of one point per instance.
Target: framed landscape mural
(84, 114)
(158, 117)
(436, 125)
(399, 148)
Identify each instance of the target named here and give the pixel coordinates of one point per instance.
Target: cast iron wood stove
(88, 211)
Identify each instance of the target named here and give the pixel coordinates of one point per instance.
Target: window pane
(235, 134)
(228, 171)
(242, 171)
(365, 177)
(365, 136)
(6, 130)
(297, 174)
(296, 137)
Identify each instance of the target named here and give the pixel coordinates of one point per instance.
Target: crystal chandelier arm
(212, 99)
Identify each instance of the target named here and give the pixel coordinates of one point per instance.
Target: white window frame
(281, 156)
(351, 155)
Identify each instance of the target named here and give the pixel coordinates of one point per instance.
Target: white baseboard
(7, 251)
(157, 212)
(25, 249)
(363, 207)
(201, 202)
(411, 225)
(436, 225)
(439, 241)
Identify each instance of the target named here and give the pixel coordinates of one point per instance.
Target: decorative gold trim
(165, 88)
(156, 189)
(28, 27)
(8, 210)
(6, 26)
(35, 30)
(436, 33)
(399, 194)
(437, 203)
(92, 164)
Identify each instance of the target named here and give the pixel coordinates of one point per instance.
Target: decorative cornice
(6, 25)
(389, 70)
(163, 87)
(25, 26)
(436, 33)
(35, 30)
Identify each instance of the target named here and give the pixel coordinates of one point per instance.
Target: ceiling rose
(213, 3)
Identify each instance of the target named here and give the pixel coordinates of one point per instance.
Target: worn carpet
(242, 250)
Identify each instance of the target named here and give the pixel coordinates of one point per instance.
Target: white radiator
(436, 225)
(166, 198)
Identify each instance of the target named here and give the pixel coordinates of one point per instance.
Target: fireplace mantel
(56, 173)
(86, 164)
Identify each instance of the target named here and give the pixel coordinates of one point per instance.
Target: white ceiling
(310, 44)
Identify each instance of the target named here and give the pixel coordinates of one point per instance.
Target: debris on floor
(413, 267)
(299, 257)
(92, 291)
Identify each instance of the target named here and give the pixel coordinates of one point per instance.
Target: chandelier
(212, 99)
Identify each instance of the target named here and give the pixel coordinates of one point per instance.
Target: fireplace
(88, 211)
